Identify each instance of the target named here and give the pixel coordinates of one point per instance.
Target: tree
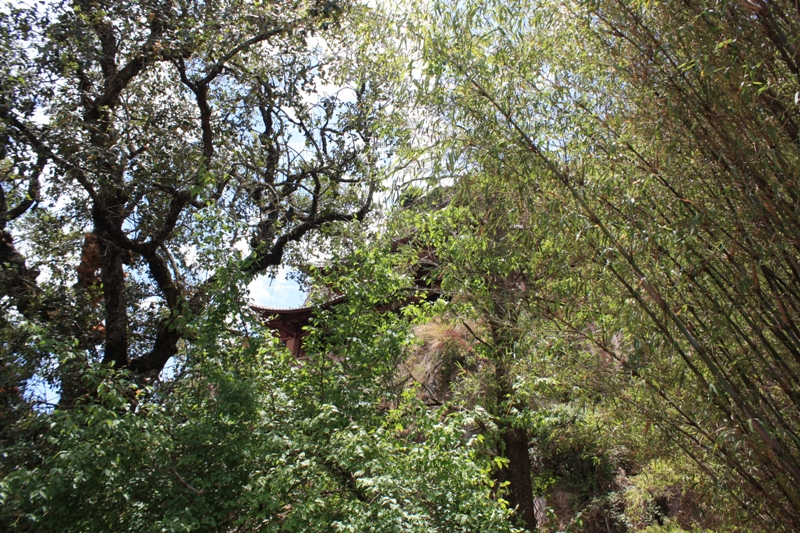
(155, 157)
(146, 145)
(671, 149)
(245, 438)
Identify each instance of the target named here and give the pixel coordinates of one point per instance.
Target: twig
(476, 336)
(180, 478)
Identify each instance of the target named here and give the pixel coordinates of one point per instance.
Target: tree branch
(258, 261)
(32, 197)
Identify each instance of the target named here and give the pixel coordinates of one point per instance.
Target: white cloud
(280, 291)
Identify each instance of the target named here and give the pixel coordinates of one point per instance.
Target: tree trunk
(515, 440)
(113, 276)
(518, 475)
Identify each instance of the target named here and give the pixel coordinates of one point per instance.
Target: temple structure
(289, 324)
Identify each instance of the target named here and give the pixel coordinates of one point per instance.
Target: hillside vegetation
(565, 236)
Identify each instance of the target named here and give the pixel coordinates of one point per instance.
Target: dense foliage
(629, 172)
(601, 195)
(156, 156)
(245, 438)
